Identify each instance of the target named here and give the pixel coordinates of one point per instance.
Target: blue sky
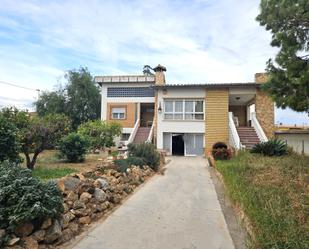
(197, 40)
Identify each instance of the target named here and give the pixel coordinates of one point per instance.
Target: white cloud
(198, 41)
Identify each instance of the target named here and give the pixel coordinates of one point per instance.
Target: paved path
(179, 210)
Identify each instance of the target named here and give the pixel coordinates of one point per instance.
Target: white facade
(178, 126)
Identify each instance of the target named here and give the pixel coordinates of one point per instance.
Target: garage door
(194, 144)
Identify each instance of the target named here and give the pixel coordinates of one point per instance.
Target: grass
(274, 194)
(50, 166)
(52, 173)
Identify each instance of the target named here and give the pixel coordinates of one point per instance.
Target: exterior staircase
(141, 135)
(248, 136)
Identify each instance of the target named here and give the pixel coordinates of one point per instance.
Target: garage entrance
(178, 145)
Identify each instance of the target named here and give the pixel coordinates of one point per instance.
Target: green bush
(101, 134)
(74, 147)
(9, 145)
(123, 164)
(273, 147)
(147, 152)
(24, 198)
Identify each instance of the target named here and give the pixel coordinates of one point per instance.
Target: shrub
(222, 154)
(74, 147)
(101, 134)
(273, 147)
(220, 151)
(9, 145)
(147, 152)
(123, 164)
(24, 198)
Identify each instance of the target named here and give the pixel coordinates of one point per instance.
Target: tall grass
(274, 194)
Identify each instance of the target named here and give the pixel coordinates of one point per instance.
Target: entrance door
(146, 114)
(178, 145)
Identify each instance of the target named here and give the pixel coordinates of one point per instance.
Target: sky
(198, 41)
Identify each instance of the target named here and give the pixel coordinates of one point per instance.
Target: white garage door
(194, 144)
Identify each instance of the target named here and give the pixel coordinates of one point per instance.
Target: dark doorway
(146, 114)
(178, 145)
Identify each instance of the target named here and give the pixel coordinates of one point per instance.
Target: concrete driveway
(179, 210)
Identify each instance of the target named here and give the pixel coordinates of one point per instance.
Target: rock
(79, 205)
(99, 195)
(101, 183)
(30, 243)
(85, 197)
(84, 220)
(86, 186)
(53, 232)
(39, 235)
(65, 207)
(81, 177)
(47, 223)
(66, 218)
(80, 212)
(115, 199)
(70, 183)
(13, 241)
(74, 227)
(71, 196)
(2, 233)
(67, 234)
(24, 230)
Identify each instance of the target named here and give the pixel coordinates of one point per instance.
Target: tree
(35, 134)
(288, 21)
(51, 102)
(83, 101)
(101, 134)
(79, 99)
(9, 146)
(40, 133)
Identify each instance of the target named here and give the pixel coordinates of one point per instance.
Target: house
(187, 119)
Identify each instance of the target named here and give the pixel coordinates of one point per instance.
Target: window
(184, 109)
(118, 113)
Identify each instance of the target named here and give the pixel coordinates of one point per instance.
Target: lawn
(50, 166)
(274, 194)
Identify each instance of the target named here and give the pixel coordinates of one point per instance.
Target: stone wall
(264, 107)
(265, 112)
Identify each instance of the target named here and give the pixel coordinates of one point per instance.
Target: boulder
(71, 196)
(74, 227)
(84, 220)
(66, 218)
(67, 234)
(47, 223)
(24, 230)
(85, 197)
(99, 195)
(53, 232)
(101, 183)
(2, 233)
(80, 212)
(39, 235)
(79, 205)
(68, 183)
(13, 241)
(30, 243)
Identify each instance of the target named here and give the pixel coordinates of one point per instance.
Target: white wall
(179, 126)
(296, 141)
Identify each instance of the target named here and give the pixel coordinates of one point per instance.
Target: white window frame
(173, 112)
(118, 114)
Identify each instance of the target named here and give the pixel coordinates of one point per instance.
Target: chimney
(159, 76)
(261, 78)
